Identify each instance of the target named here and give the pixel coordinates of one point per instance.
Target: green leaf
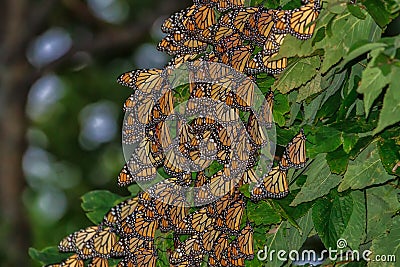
(281, 107)
(262, 213)
(347, 105)
(319, 181)
(356, 11)
(388, 141)
(379, 11)
(355, 230)
(48, 255)
(372, 83)
(311, 110)
(310, 88)
(360, 48)
(361, 144)
(339, 42)
(164, 243)
(337, 161)
(382, 204)
(294, 107)
(98, 203)
(349, 141)
(297, 74)
(134, 189)
(391, 103)
(319, 142)
(286, 238)
(387, 245)
(244, 189)
(292, 47)
(295, 238)
(331, 217)
(290, 211)
(365, 170)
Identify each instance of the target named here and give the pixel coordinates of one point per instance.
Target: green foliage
(340, 87)
(47, 255)
(97, 203)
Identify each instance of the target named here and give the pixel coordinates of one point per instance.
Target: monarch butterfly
(284, 162)
(73, 261)
(164, 192)
(120, 212)
(177, 211)
(98, 262)
(80, 242)
(146, 81)
(200, 160)
(120, 248)
(227, 42)
(147, 210)
(148, 153)
(226, 114)
(234, 256)
(266, 110)
(202, 195)
(245, 241)
(135, 171)
(127, 262)
(190, 250)
(129, 103)
(180, 59)
(181, 43)
(301, 21)
(134, 244)
(175, 164)
(220, 184)
(295, 151)
(202, 124)
(223, 32)
(265, 22)
(224, 5)
(238, 57)
(174, 22)
(280, 18)
(222, 93)
(137, 226)
(104, 241)
(199, 90)
(132, 129)
(256, 132)
(209, 237)
(204, 17)
(274, 185)
(162, 136)
(272, 44)
(142, 111)
(195, 223)
(233, 216)
(220, 246)
(145, 257)
(241, 21)
(261, 63)
(223, 137)
(164, 106)
(245, 94)
(249, 176)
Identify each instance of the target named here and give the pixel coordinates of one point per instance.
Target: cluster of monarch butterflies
(221, 31)
(234, 35)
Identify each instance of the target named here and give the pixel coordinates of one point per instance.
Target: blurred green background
(61, 109)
